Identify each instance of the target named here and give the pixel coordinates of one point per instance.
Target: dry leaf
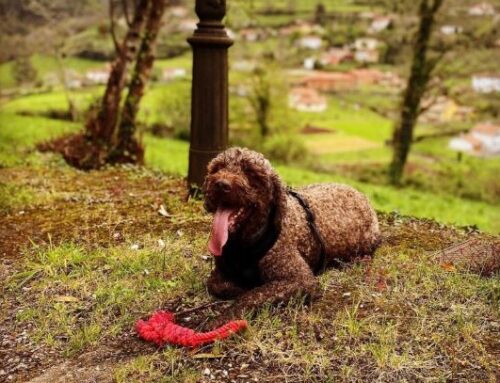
(448, 266)
(163, 211)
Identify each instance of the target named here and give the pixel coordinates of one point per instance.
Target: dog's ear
(279, 198)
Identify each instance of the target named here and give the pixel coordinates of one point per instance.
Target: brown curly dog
(269, 241)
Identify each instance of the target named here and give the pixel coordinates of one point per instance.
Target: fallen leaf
(448, 266)
(381, 284)
(163, 211)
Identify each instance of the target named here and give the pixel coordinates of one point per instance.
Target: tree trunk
(420, 73)
(101, 129)
(128, 149)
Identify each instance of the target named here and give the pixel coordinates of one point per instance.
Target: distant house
(449, 30)
(482, 9)
(367, 76)
(391, 80)
(486, 83)
(366, 43)
(170, 74)
(379, 24)
(329, 81)
(309, 63)
(97, 76)
(366, 50)
(367, 56)
(251, 34)
(444, 109)
(482, 140)
(310, 42)
(307, 100)
(336, 56)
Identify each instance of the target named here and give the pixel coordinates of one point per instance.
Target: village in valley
(324, 74)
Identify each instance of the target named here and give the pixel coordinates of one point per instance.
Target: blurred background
(317, 86)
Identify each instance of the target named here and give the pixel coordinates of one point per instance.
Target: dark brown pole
(209, 100)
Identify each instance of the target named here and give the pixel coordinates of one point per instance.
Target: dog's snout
(223, 185)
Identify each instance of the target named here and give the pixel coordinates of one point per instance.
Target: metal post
(209, 99)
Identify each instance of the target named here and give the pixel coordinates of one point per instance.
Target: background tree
(128, 149)
(260, 100)
(101, 128)
(23, 71)
(320, 15)
(421, 70)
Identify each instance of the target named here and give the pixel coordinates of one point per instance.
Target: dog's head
(241, 190)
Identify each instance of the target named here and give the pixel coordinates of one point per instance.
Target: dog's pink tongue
(220, 231)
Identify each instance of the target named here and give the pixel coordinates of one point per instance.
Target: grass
(45, 65)
(402, 317)
(101, 292)
(94, 266)
(171, 156)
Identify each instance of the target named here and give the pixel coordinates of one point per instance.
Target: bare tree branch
(112, 26)
(125, 12)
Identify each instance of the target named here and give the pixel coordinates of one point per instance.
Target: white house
(379, 24)
(170, 74)
(366, 43)
(366, 56)
(97, 76)
(482, 9)
(449, 30)
(483, 140)
(307, 100)
(309, 63)
(486, 83)
(310, 42)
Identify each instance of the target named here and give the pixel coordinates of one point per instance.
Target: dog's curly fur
(344, 217)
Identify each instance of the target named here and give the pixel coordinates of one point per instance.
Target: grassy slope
(171, 156)
(401, 317)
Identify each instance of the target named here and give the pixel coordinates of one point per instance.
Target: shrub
(285, 148)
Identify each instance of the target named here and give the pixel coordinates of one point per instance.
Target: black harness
(239, 262)
(311, 221)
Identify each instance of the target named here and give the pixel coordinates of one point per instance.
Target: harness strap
(311, 221)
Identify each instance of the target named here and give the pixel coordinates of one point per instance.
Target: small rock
(206, 371)
(135, 246)
(346, 294)
(225, 373)
(161, 244)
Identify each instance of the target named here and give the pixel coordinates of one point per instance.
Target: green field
(19, 133)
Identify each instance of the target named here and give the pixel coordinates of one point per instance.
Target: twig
(112, 26)
(125, 12)
(203, 306)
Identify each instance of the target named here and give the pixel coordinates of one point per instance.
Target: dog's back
(345, 219)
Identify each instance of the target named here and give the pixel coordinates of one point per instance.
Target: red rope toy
(161, 329)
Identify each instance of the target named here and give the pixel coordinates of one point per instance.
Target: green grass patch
(84, 296)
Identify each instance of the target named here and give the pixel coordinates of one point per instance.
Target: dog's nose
(223, 185)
